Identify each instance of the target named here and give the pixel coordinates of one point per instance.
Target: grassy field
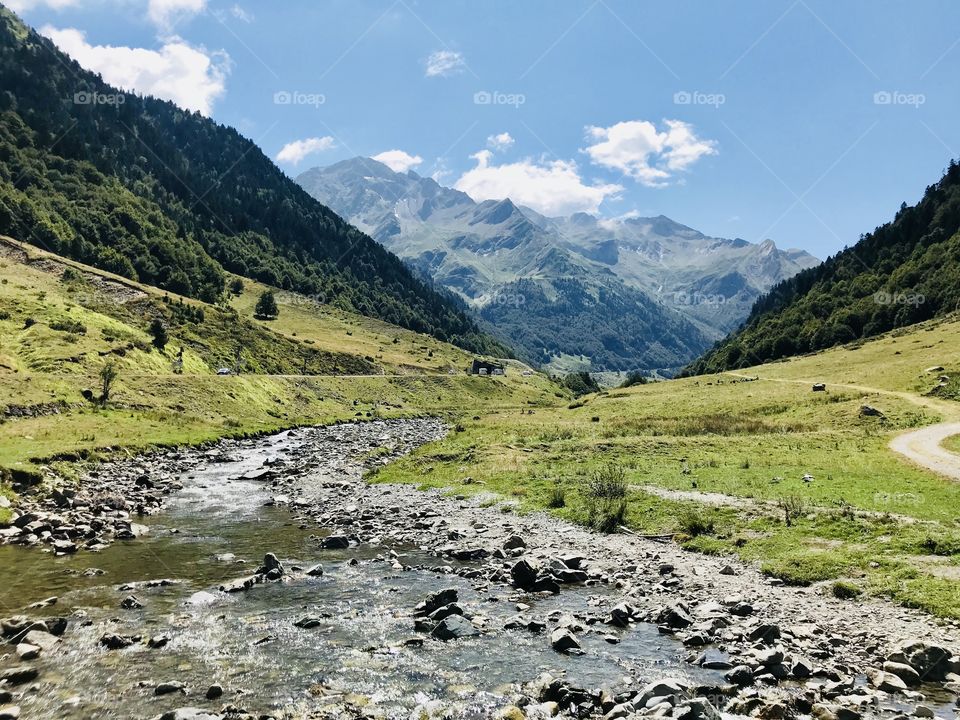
(720, 462)
(58, 329)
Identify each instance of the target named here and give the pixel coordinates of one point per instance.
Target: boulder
(315, 571)
(523, 575)
(453, 627)
(887, 682)
(168, 688)
(668, 688)
(435, 602)
(930, 661)
(562, 640)
(335, 542)
(19, 675)
(902, 671)
(513, 542)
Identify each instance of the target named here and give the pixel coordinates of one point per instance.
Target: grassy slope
(152, 405)
(753, 441)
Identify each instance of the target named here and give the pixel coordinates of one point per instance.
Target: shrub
(69, 326)
(843, 590)
(558, 497)
(792, 507)
(606, 497)
(692, 523)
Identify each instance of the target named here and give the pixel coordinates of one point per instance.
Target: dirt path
(922, 447)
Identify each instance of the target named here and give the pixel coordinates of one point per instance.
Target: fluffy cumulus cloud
(653, 157)
(500, 142)
(552, 188)
(294, 152)
(398, 160)
(189, 76)
(167, 13)
(443, 63)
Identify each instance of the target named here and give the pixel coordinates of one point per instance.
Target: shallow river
(247, 642)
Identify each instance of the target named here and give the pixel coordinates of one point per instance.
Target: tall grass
(605, 494)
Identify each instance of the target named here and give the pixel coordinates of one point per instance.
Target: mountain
(904, 272)
(580, 292)
(142, 188)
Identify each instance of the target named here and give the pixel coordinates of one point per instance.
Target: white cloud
(653, 157)
(167, 13)
(20, 6)
(500, 142)
(398, 160)
(443, 63)
(240, 14)
(294, 152)
(191, 77)
(552, 188)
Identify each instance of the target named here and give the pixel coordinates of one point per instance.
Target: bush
(843, 590)
(634, 377)
(606, 496)
(69, 326)
(558, 498)
(693, 523)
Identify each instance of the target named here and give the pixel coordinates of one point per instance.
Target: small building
(483, 367)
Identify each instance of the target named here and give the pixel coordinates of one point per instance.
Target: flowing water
(218, 528)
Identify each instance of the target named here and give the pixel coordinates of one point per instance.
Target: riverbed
(363, 650)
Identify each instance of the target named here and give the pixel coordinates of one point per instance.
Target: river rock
(435, 602)
(214, 692)
(112, 641)
(513, 542)
(315, 571)
(131, 603)
(698, 709)
(887, 682)
(270, 565)
(659, 689)
(902, 671)
(335, 542)
(454, 626)
(9, 712)
(168, 688)
(930, 661)
(41, 639)
(523, 575)
(562, 640)
(19, 674)
(26, 651)
(308, 623)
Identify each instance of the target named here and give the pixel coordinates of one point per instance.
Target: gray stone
(453, 627)
(562, 640)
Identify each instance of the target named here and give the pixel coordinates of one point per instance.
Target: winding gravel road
(924, 448)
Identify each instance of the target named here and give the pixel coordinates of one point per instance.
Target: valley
(571, 293)
(461, 424)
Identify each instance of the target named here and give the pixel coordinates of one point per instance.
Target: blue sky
(804, 121)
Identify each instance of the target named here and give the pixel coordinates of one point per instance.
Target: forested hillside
(142, 188)
(904, 272)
